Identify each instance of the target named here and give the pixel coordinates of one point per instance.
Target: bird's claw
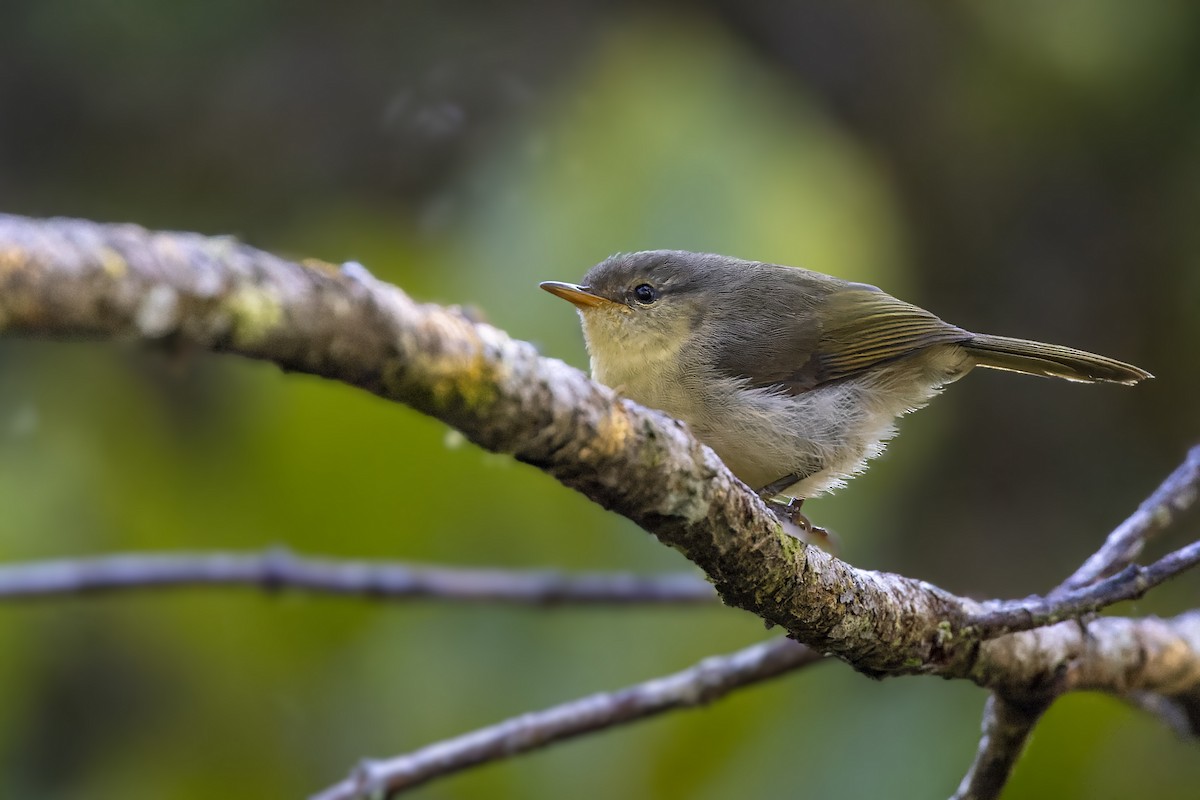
(813, 534)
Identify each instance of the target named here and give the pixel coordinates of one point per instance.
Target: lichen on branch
(64, 277)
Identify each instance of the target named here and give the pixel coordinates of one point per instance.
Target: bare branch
(279, 569)
(1110, 654)
(1154, 662)
(1006, 725)
(1006, 728)
(1173, 496)
(703, 683)
(75, 278)
(1003, 616)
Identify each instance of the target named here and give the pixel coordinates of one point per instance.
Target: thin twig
(279, 569)
(1173, 496)
(1003, 616)
(708, 680)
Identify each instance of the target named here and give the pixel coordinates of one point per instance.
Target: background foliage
(1021, 168)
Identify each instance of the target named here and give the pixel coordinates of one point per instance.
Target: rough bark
(75, 278)
(70, 278)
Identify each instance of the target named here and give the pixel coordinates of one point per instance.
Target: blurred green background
(1021, 168)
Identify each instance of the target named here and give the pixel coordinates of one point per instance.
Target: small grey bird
(794, 378)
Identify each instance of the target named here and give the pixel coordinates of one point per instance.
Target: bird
(793, 377)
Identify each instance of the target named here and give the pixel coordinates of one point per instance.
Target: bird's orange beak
(580, 296)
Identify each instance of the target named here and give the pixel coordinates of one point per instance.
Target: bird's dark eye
(645, 294)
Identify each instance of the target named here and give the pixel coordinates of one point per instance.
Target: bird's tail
(1051, 360)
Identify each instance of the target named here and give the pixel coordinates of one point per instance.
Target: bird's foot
(788, 509)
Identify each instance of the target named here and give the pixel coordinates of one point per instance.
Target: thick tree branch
(707, 681)
(74, 278)
(1111, 654)
(279, 569)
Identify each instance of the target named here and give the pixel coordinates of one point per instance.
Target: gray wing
(834, 336)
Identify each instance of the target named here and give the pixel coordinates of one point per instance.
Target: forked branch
(73, 278)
